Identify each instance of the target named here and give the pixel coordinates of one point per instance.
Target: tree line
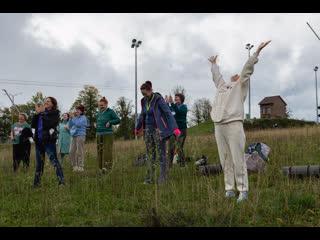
(89, 97)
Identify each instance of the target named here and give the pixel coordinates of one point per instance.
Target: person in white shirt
(228, 114)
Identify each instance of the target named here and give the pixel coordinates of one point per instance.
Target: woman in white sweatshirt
(227, 115)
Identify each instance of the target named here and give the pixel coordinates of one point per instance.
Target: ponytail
(147, 86)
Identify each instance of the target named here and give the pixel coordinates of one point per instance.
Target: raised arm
(248, 68)
(216, 75)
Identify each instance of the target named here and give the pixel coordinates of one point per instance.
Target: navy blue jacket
(164, 119)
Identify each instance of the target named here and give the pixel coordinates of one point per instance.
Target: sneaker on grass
(230, 194)
(242, 196)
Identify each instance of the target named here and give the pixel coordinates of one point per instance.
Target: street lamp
(135, 45)
(317, 107)
(248, 47)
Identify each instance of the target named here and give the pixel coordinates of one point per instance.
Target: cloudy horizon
(86, 48)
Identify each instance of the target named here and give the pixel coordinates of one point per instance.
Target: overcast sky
(96, 49)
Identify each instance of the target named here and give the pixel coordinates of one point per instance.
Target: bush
(265, 123)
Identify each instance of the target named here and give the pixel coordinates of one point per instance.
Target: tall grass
(187, 199)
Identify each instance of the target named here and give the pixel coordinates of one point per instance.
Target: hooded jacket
(228, 103)
(164, 119)
(49, 126)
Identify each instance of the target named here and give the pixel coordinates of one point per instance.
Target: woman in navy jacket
(158, 124)
(45, 123)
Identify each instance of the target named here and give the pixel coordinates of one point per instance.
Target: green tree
(29, 108)
(200, 111)
(88, 97)
(124, 109)
(5, 123)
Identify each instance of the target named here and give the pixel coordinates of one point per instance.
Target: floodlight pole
(135, 44)
(248, 47)
(315, 74)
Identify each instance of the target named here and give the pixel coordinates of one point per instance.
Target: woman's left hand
(108, 125)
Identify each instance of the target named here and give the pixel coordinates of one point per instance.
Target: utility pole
(313, 31)
(12, 101)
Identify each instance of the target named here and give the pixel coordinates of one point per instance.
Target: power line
(72, 85)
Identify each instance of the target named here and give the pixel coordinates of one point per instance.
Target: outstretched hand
(262, 45)
(213, 59)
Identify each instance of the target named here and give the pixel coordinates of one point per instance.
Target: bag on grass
(262, 149)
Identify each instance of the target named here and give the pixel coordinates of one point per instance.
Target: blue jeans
(51, 151)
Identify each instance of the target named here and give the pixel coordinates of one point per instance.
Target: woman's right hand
(71, 114)
(213, 59)
(36, 107)
(95, 125)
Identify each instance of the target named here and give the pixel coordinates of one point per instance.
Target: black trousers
(21, 152)
(178, 144)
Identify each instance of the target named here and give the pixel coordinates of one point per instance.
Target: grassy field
(187, 200)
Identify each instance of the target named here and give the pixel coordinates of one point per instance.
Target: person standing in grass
(179, 110)
(78, 126)
(20, 133)
(158, 124)
(228, 114)
(45, 123)
(64, 137)
(106, 118)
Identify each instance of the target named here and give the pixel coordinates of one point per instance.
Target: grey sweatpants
(77, 151)
(231, 143)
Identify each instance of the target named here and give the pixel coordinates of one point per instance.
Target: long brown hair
(54, 103)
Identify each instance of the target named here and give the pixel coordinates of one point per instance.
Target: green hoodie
(180, 114)
(103, 118)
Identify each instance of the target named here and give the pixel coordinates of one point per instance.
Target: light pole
(248, 47)
(135, 44)
(315, 75)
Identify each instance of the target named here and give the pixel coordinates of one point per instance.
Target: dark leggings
(178, 144)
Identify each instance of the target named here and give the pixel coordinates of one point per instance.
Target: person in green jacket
(64, 138)
(21, 150)
(106, 118)
(179, 111)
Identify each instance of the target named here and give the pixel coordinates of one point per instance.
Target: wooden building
(273, 106)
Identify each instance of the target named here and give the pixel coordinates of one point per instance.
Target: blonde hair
(24, 115)
(103, 99)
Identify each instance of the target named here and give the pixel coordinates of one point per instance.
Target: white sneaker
(230, 194)
(80, 169)
(242, 196)
(75, 168)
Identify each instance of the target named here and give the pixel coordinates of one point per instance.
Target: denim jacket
(78, 125)
(164, 119)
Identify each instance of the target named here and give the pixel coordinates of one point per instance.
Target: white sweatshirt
(228, 104)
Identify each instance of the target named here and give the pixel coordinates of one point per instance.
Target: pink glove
(136, 132)
(177, 131)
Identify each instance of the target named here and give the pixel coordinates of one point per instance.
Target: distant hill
(254, 124)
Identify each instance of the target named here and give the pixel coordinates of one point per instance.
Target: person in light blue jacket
(77, 125)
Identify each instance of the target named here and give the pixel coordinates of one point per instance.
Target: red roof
(271, 100)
